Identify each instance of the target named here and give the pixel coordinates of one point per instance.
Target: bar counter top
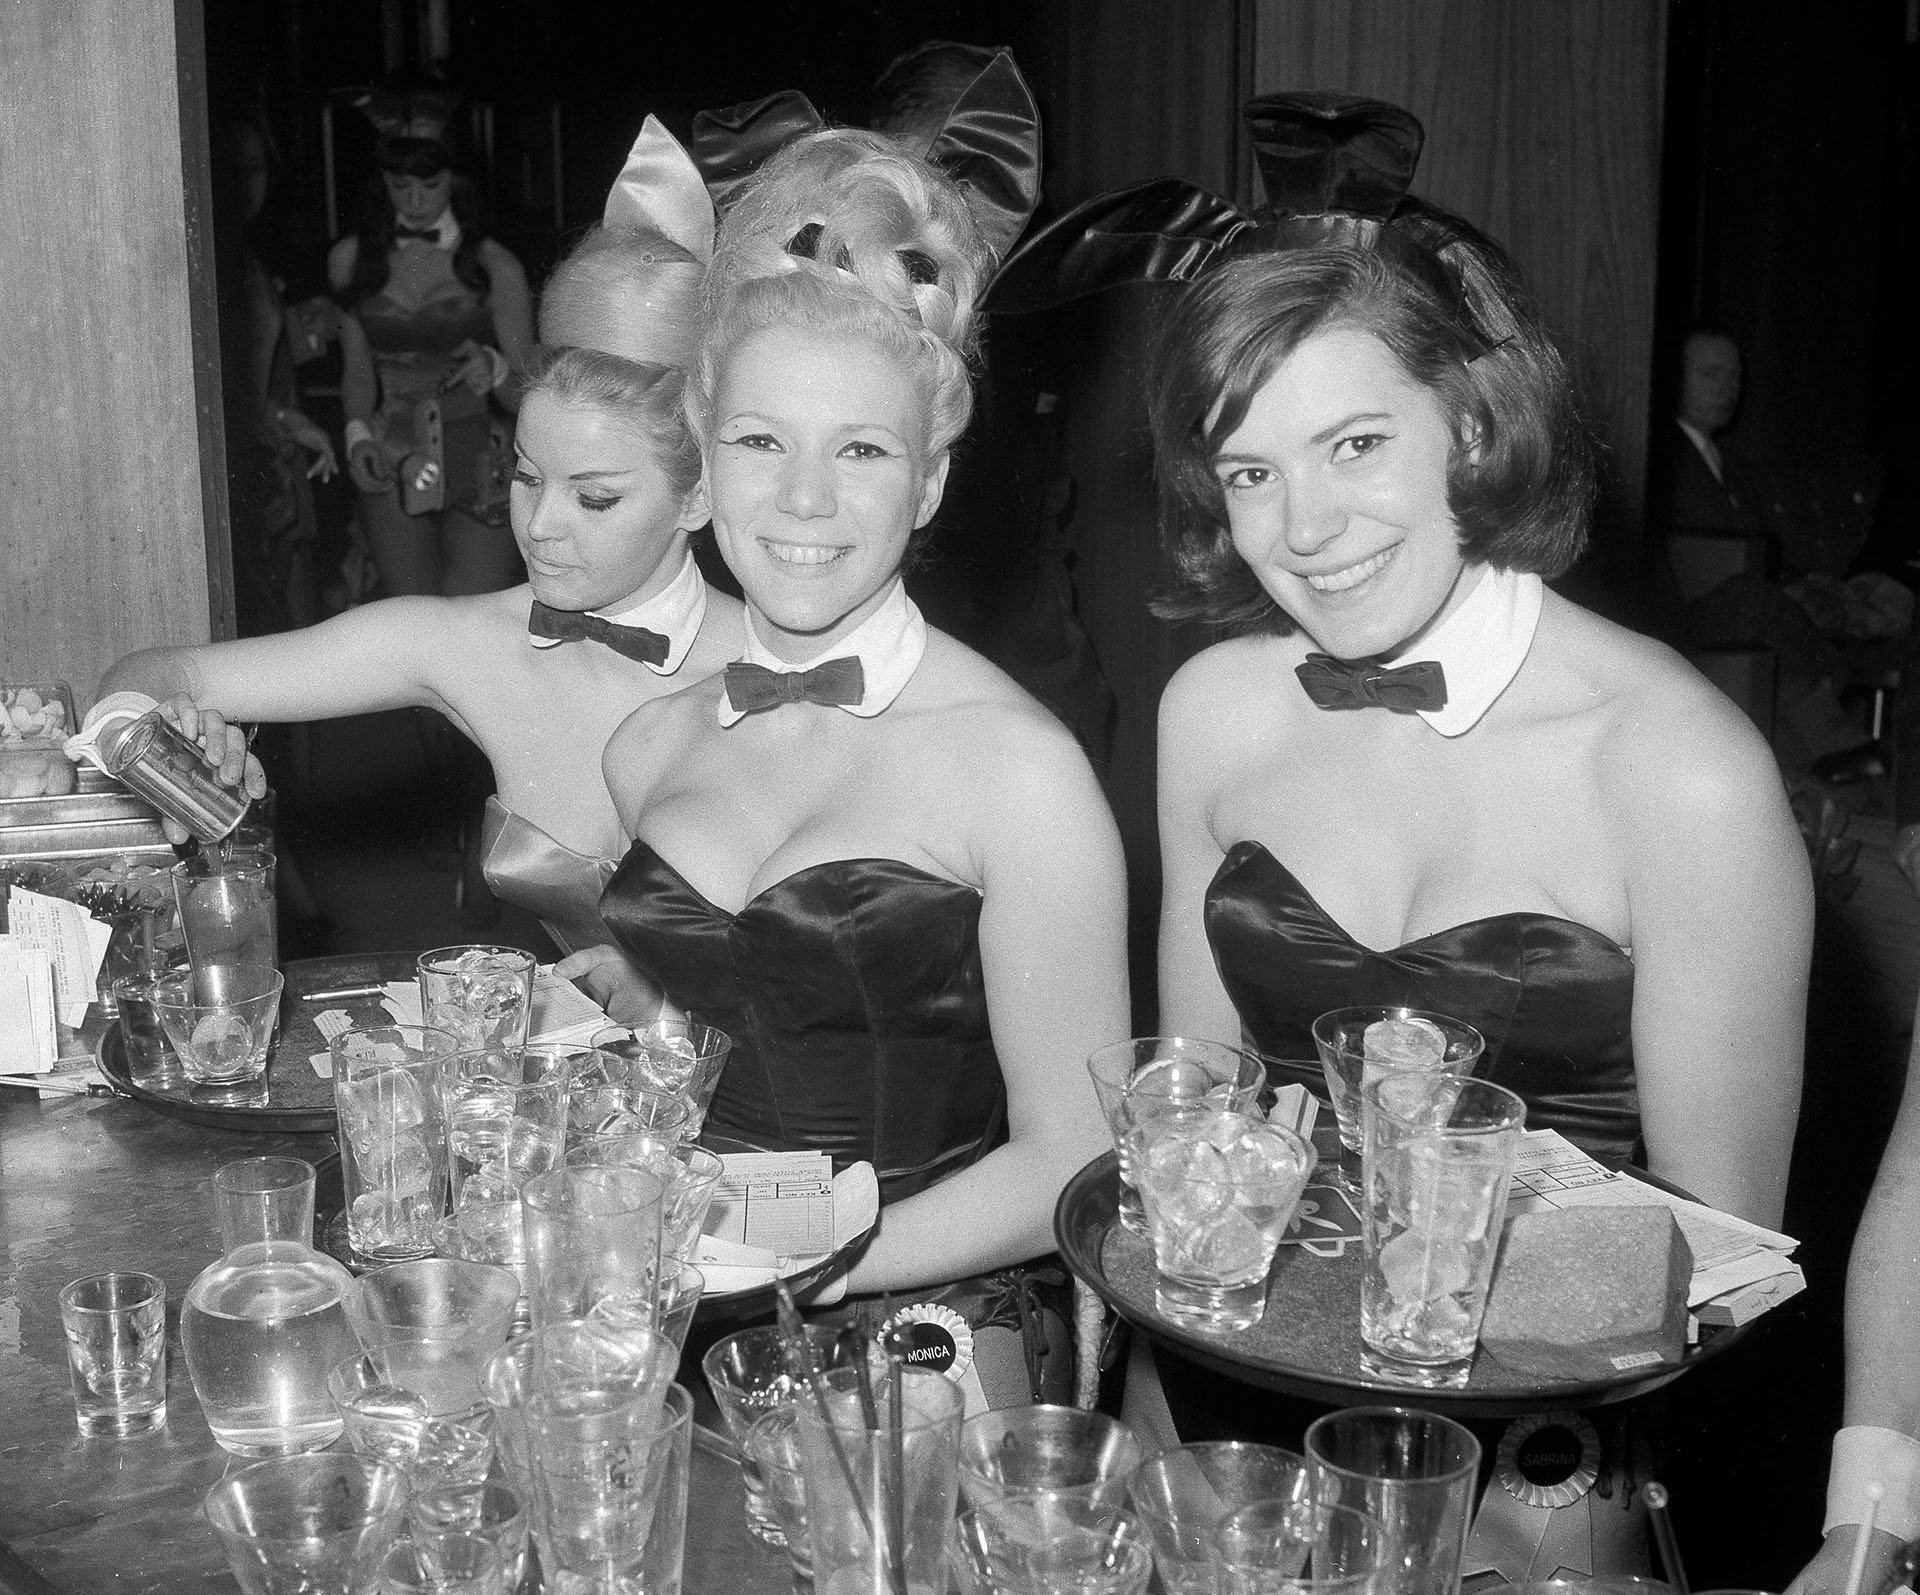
(89, 1184)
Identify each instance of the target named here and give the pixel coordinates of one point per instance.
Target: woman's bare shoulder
(1233, 683)
(497, 258)
(1667, 737)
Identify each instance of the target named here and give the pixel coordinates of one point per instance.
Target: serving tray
(1308, 1342)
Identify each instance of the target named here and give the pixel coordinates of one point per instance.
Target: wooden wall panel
(1543, 127)
(103, 545)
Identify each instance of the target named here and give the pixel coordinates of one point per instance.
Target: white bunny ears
(661, 188)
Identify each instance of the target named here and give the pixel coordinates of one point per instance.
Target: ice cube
(1404, 1044)
(665, 1063)
(1228, 1246)
(221, 1042)
(450, 1453)
(1452, 1188)
(1417, 1267)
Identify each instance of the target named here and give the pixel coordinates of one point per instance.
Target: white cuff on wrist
(1863, 1455)
(357, 431)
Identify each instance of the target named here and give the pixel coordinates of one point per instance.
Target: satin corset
(527, 867)
(413, 340)
(1553, 998)
(854, 995)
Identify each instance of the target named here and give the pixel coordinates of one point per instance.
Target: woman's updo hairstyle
(846, 231)
(619, 320)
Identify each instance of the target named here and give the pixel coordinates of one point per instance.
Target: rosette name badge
(938, 1340)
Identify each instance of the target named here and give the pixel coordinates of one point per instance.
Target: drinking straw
(1655, 1495)
(897, 1466)
(1856, 1569)
(800, 1351)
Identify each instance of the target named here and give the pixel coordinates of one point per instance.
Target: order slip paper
(29, 1042)
(73, 938)
(781, 1202)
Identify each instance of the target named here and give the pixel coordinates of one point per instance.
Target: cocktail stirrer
(1655, 1495)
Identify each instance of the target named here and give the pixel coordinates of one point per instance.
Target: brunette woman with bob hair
(1413, 775)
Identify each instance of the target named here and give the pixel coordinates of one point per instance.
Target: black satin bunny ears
(1336, 169)
(989, 146)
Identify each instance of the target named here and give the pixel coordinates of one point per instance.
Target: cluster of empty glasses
(1049, 1500)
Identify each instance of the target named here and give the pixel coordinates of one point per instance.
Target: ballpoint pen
(69, 1088)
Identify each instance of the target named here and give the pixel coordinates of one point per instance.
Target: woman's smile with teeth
(802, 553)
(1353, 575)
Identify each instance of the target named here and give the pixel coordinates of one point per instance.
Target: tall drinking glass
(393, 1142)
(506, 1119)
(227, 907)
(1415, 1473)
(483, 996)
(881, 1498)
(1162, 1076)
(1360, 1045)
(591, 1233)
(1440, 1152)
(610, 1487)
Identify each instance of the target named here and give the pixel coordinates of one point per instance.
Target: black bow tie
(1367, 684)
(430, 234)
(571, 625)
(841, 682)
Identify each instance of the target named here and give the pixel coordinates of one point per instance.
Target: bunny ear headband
(989, 146)
(661, 187)
(1336, 168)
(423, 113)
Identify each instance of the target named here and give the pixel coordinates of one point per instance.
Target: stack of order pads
(1600, 1273)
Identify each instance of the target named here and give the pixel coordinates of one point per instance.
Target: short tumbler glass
(1220, 1189)
(116, 1329)
(1166, 1075)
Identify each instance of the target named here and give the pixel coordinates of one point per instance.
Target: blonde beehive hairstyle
(894, 257)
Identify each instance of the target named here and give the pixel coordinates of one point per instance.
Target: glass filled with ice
(393, 1145)
(1219, 1190)
(1157, 1076)
(1358, 1046)
(1440, 1152)
(482, 996)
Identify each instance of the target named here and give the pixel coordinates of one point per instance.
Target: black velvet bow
(1365, 684)
(989, 145)
(840, 682)
(1336, 168)
(572, 625)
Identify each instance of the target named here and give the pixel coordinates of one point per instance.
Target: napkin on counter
(563, 1014)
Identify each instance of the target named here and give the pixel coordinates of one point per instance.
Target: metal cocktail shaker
(156, 761)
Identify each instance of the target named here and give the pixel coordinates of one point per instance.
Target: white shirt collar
(888, 644)
(676, 612)
(1707, 449)
(1480, 646)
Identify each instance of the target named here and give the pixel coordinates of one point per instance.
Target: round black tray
(290, 1098)
(1308, 1343)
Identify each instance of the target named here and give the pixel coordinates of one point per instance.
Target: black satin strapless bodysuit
(854, 996)
(1553, 998)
